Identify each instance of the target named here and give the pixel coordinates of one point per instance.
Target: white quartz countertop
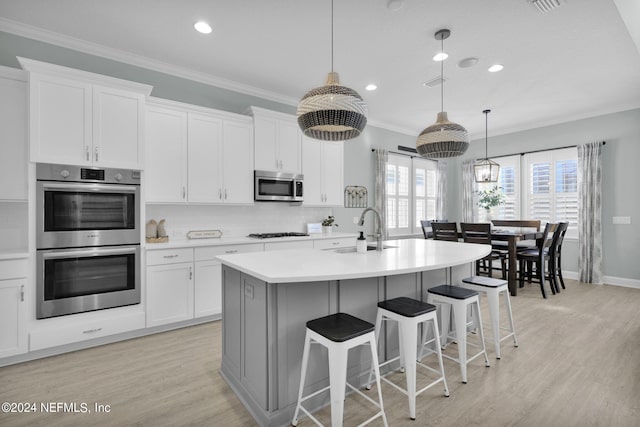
(239, 240)
(310, 265)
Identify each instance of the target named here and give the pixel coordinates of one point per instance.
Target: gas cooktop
(270, 235)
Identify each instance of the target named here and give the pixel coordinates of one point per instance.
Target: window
(411, 193)
(551, 192)
(542, 185)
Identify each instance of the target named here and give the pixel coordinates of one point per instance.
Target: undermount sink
(352, 249)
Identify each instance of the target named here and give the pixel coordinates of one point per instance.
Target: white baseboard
(608, 280)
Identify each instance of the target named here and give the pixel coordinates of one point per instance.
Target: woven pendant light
(443, 138)
(486, 170)
(332, 112)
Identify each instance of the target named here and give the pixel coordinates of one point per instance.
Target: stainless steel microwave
(278, 186)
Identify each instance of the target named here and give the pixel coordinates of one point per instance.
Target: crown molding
(95, 49)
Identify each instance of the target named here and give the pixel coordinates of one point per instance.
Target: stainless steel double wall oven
(88, 239)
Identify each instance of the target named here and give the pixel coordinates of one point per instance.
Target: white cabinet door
(166, 155)
(13, 134)
(204, 152)
(289, 139)
(12, 318)
(323, 172)
(169, 293)
(236, 162)
(333, 173)
(118, 127)
(266, 130)
(60, 120)
(312, 170)
(208, 288)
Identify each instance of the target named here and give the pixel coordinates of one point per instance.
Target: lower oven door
(85, 279)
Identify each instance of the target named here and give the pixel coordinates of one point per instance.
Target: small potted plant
(490, 198)
(328, 223)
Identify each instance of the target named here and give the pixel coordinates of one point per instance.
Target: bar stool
(338, 333)
(492, 288)
(409, 313)
(457, 298)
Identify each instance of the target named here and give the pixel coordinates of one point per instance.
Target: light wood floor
(578, 364)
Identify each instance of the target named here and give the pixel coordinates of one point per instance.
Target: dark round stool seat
(407, 307)
(488, 282)
(340, 327)
(456, 292)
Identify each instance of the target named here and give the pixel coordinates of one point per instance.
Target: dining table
(512, 237)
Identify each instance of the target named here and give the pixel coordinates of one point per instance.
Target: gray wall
(621, 175)
(620, 130)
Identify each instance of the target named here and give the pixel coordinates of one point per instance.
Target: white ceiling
(576, 61)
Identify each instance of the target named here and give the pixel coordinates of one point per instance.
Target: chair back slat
(476, 232)
(547, 239)
(427, 229)
(445, 231)
(558, 237)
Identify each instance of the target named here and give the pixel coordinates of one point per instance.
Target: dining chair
(426, 227)
(555, 255)
(538, 258)
(445, 231)
(518, 225)
(481, 233)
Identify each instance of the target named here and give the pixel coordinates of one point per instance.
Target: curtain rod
(403, 148)
(538, 151)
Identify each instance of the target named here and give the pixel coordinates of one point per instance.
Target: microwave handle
(68, 186)
(89, 253)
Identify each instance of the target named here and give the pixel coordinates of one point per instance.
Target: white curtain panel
(441, 190)
(381, 189)
(590, 212)
(468, 191)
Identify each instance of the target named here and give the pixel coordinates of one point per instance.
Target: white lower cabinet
(169, 286)
(13, 334)
(208, 276)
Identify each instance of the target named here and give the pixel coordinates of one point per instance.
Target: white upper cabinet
(13, 134)
(198, 155)
(277, 141)
(323, 168)
(166, 155)
(83, 118)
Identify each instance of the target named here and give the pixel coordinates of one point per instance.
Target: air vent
(436, 81)
(545, 6)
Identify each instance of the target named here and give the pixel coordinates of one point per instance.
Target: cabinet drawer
(51, 337)
(211, 252)
(13, 269)
(334, 243)
(169, 256)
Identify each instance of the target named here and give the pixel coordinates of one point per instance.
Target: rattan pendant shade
(332, 112)
(442, 139)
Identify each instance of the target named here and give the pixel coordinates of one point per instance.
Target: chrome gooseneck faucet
(379, 231)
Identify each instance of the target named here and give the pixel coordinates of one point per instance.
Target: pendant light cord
(332, 36)
(441, 76)
(486, 134)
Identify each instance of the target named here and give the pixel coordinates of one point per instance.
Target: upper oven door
(73, 214)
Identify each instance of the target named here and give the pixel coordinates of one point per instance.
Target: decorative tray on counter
(204, 234)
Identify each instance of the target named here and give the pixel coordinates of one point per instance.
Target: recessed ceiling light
(202, 27)
(495, 68)
(467, 62)
(440, 56)
(371, 86)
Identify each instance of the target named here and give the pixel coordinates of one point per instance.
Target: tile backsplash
(235, 220)
(13, 226)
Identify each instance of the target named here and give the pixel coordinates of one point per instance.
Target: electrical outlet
(622, 220)
(248, 291)
(356, 219)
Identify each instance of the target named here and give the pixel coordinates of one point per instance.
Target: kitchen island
(269, 296)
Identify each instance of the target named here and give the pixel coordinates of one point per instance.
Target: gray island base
(268, 297)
